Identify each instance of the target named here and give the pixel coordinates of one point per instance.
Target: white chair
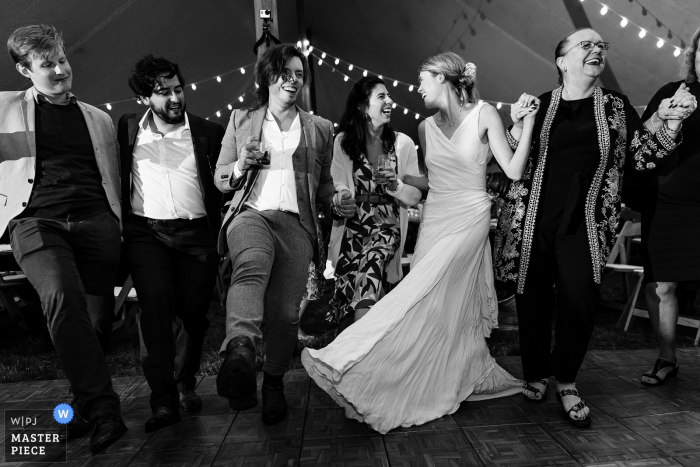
(126, 305)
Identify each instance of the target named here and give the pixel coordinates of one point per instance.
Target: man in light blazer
(59, 192)
(270, 228)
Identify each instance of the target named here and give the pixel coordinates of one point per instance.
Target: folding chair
(126, 305)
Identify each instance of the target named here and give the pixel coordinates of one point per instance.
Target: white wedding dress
(420, 351)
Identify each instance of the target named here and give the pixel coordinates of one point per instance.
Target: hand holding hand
(346, 204)
(525, 105)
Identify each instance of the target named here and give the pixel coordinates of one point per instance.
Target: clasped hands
(525, 109)
(675, 109)
(344, 203)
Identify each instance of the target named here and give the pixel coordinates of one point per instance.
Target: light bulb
(345, 79)
(410, 88)
(194, 87)
(240, 98)
(299, 44)
(320, 62)
(660, 43)
(381, 77)
(218, 114)
(417, 116)
(218, 78)
(676, 52)
(257, 85)
(306, 42)
(311, 112)
(642, 33)
(364, 73)
(351, 67)
(243, 71)
(624, 22)
(405, 111)
(109, 106)
(230, 107)
(396, 83)
(311, 48)
(604, 10)
(393, 106)
(335, 125)
(499, 105)
(323, 55)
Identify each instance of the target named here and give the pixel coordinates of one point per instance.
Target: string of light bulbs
(192, 86)
(395, 82)
(624, 21)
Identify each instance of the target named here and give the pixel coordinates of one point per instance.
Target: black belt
(374, 199)
(170, 223)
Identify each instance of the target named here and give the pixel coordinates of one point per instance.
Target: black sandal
(528, 387)
(582, 423)
(658, 366)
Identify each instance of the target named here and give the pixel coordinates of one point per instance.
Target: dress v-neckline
(469, 116)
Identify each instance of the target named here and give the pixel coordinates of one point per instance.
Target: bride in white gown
(420, 351)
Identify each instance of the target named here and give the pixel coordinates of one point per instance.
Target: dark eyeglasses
(588, 45)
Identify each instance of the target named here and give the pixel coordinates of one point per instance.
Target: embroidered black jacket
(624, 143)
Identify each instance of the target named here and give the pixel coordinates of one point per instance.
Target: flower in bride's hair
(469, 72)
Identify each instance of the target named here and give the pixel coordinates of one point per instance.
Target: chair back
(620, 249)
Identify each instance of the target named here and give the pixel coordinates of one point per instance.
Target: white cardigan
(343, 179)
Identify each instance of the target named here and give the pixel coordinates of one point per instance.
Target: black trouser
(562, 264)
(72, 264)
(173, 266)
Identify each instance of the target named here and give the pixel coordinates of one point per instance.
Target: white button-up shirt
(276, 189)
(164, 174)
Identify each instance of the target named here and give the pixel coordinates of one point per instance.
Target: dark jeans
(72, 264)
(561, 263)
(174, 268)
(270, 254)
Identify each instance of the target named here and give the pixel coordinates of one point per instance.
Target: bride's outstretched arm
(420, 182)
(491, 129)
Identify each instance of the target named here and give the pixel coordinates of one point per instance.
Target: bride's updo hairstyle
(461, 75)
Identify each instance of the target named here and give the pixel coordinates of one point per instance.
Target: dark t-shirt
(67, 180)
(572, 159)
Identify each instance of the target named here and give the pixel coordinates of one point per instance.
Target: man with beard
(59, 192)
(270, 229)
(172, 213)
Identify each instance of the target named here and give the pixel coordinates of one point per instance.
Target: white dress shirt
(164, 174)
(276, 189)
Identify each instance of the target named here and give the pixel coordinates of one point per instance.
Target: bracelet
(656, 114)
(669, 128)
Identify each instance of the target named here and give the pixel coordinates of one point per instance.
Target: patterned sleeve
(512, 141)
(647, 150)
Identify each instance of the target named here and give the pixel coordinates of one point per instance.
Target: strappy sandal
(529, 387)
(658, 366)
(582, 423)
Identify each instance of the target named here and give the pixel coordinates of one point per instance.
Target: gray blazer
(18, 153)
(311, 163)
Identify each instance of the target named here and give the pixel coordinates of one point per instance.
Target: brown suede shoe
(236, 378)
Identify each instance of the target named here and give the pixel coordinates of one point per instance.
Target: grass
(31, 357)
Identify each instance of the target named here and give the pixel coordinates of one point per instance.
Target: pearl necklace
(440, 122)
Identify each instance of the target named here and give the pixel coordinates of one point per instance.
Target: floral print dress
(372, 237)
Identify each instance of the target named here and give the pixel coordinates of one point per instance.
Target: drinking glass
(261, 150)
(383, 161)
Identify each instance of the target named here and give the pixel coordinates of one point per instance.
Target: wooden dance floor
(632, 426)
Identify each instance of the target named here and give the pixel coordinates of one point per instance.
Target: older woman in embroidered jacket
(558, 228)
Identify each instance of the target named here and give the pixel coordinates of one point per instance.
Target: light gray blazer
(18, 153)
(311, 162)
